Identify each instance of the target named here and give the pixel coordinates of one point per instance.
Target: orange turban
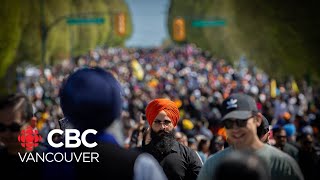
(157, 105)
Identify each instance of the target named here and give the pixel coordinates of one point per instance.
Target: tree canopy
(281, 37)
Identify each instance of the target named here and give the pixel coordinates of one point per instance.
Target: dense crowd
(198, 83)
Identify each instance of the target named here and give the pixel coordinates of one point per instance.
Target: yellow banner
(138, 71)
(273, 88)
(295, 87)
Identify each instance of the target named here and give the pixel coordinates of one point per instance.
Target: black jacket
(181, 163)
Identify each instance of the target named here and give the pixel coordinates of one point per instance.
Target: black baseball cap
(239, 106)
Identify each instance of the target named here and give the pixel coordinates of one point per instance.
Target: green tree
(281, 37)
(10, 34)
(20, 32)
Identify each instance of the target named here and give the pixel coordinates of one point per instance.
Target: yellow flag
(273, 88)
(138, 71)
(294, 86)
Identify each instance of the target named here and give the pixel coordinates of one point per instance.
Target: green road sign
(206, 23)
(77, 21)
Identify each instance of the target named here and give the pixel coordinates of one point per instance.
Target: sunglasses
(14, 127)
(228, 123)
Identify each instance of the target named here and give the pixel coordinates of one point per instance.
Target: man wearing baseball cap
(241, 118)
(178, 161)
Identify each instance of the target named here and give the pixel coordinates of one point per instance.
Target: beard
(162, 141)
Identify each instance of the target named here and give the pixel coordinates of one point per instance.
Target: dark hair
(262, 130)
(277, 129)
(201, 143)
(242, 165)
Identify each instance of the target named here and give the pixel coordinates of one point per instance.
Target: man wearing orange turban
(158, 105)
(178, 161)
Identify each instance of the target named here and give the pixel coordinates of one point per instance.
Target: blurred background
(281, 37)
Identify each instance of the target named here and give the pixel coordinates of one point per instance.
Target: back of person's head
(241, 165)
(203, 145)
(91, 99)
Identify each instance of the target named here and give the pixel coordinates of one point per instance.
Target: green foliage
(281, 37)
(30, 43)
(10, 33)
(20, 32)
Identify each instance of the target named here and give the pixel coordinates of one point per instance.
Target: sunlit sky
(149, 18)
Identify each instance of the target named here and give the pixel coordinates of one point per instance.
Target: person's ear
(259, 119)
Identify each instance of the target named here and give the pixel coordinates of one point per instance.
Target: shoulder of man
(193, 157)
(180, 147)
(218, 155)
(185, 150)
(209, 166)
(281, 163)
(275, 153)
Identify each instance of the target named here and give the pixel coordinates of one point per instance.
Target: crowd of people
(197, 84)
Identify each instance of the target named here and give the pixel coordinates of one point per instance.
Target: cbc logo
(29, 138)
(72, 135)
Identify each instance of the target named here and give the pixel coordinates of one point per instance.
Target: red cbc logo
(29, 138)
